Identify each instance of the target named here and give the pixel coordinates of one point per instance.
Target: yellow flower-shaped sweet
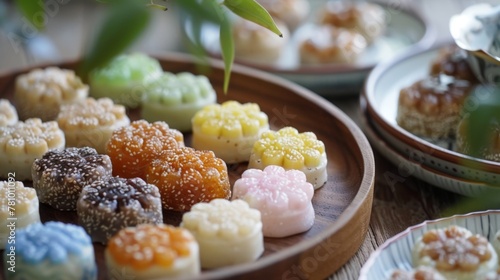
(229, 129)
(292, 150)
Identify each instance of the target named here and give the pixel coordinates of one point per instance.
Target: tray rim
(359, 207)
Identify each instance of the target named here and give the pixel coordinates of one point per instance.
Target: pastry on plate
(41, 92)
(228, 232)
(456, 253)
(452, 61)
(292, 12)
(431, 107)
(419, 273)
(329, 44)
(8, 113)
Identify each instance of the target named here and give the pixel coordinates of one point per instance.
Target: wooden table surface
(396, 206)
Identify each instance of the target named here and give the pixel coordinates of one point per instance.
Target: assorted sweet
(18, 204)
(53, 250)
(153, 252)
(367, 19)
(292, 150)
(419, 273)
(256, 44)
(291, 12)
(456, 253)
(60, 175)
(186, 176)
(229, 129)
(431, 107)
(125, 78)
(452, 61)
(91, 122)
(133, 147)
(330, 44)
(106, 206)
(175, 98)
(23, 142)
(227, 232)
(282, 197)
(41, 92)
(8, 113)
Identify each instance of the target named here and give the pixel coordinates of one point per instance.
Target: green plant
(134, 16)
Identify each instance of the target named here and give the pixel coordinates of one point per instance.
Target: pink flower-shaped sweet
(282, 197)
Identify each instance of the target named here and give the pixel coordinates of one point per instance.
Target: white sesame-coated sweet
(23, 142)
(8, 113)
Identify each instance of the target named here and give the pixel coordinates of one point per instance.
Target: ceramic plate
(381, 94)
(409, 166)
(342, 205)
(395, 253)
(405, 29)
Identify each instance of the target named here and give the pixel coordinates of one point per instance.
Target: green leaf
(33, 11)
(123, 24)
(227, 50)
(488, 199)
(205, 10)
(251, 10)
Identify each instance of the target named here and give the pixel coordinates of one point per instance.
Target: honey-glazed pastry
(53, 250)
(256, 44)
(18, 204)
(186, 176)
(41, 92)
(229, 129)
(151, 251)
(133, 147)
(125, 78)
(452, 61)
(23, 142)
(292, 150)
(60, 175)
(419, 273)
(291, 12)
(8, 113)
(175, 99)
(367, 19)
(330, 44)
(91, 122)
(456, 253)
(109, 205)
(228, 232)
(283, 198)
(431, 107)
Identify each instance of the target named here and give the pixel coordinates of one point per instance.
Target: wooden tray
(342, 206)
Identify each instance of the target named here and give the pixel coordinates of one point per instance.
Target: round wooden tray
(342, 205)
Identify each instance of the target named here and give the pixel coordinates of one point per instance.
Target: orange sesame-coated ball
(132, 148)
(186, 176)
(150, 245)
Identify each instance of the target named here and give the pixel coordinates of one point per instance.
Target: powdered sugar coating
(283, 198)
(22, 143)
(60, 175)
(109, 205)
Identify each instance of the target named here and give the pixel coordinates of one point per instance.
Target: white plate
(395, 253)
(382, 92)
(405, 29)
(408, 166)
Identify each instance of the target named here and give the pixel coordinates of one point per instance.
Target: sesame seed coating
(109, 205)
(186, 176)
(133, 147)
(60, 175)
(8, 113)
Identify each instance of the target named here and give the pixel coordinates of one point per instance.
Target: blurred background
(70, 25)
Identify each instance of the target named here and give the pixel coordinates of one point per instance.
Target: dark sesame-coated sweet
(60, 175)
(186, 176)
(109, 205)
